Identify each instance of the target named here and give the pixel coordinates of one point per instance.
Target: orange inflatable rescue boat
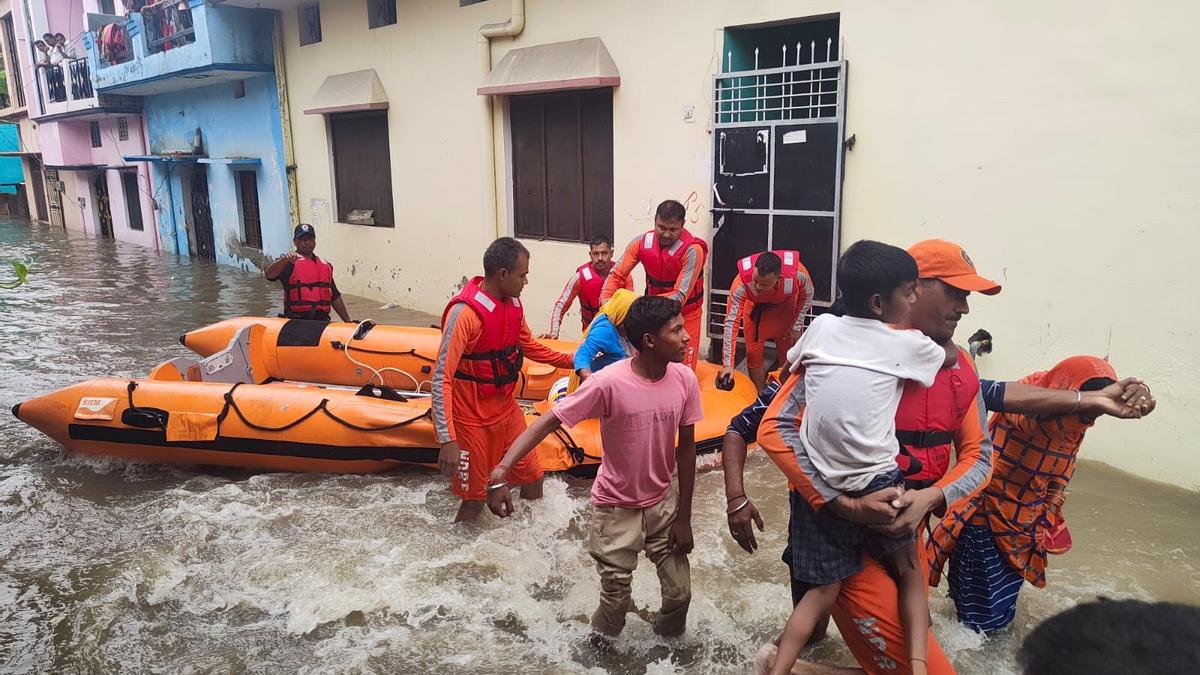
(401, 357)
(230, 410)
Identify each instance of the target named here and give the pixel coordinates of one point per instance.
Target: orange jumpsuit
(867, 610)
(778, 322)
(485, 427)
(693, 266)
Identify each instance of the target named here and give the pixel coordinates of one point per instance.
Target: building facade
(1054, 142)
(30, 198)
(204, 75)
(83, 134)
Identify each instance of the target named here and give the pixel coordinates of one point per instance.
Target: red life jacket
(664, 265)
(785, 289)
(494, 363)
(309, 289)
(928, 417)
(591, 283)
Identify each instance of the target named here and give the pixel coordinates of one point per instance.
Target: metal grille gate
(777, 167)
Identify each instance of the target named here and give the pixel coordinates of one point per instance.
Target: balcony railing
(81, 79)
(53, 83)
(168, 25)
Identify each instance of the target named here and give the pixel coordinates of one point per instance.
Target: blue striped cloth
(983, 585)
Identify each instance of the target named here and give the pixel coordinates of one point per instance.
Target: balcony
(65, 91)
(184, 44)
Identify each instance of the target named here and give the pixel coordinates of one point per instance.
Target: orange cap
(949, 263)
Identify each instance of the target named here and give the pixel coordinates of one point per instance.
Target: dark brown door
(251, 220)
(133, 202)
(202, 215)
(103, 212)
(39, 187)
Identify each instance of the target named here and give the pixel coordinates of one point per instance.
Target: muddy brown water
(107, 566)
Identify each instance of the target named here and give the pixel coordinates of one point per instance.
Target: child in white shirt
(854, 368)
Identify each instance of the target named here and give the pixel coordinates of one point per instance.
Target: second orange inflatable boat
(351, 354)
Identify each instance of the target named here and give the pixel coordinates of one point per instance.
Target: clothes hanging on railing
(168, 18)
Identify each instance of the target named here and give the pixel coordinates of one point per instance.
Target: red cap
(949, 263)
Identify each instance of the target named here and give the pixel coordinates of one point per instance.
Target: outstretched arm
(540, 353)
(619, 276)
(1129, 398)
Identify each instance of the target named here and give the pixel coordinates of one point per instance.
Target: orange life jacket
(309, 288)
(784, 290)
(494, 363)
(664, 265)
(591, 283)
(928, 417)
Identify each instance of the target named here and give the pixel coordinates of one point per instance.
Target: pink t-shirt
(638, 423)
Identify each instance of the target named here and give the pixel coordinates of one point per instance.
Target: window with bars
(381, 13)
(95, 129)
(310, 23)
(362, 167)
(251, 219)
(123, 128)
(562, 159)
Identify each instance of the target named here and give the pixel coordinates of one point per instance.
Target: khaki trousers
(617, 536)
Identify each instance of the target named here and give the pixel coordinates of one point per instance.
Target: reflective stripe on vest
(590, 285)
(783, 291)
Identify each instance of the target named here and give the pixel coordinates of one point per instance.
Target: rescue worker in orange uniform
(585, 283)
(308, 288)
(673, 260)
(475, 412)
(768, 299)
(948, 413)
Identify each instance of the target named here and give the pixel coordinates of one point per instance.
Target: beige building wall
(1058, 142)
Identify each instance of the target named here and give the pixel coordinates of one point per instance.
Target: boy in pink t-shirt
(642, 403)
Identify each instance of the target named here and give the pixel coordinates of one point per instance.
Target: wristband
(739, 507)
(1078, 400)
(496, 486)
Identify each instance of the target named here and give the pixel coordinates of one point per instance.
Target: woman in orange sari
(1000, 539)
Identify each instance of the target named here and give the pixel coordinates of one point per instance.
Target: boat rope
(322, 407)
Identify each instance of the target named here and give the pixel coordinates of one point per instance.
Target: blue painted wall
(10, 167)
(230, 127)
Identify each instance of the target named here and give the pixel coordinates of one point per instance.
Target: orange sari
(1034, 461)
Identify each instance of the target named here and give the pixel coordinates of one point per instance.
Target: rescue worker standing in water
(475, 411)
(308, 288)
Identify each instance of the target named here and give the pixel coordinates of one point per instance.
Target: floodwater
(108, 567)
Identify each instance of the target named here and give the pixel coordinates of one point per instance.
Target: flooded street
(108, 567)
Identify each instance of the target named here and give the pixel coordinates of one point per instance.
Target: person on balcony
(43, 53)
(65, 51)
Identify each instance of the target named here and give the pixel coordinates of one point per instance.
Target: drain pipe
(510, 28)
(285, 116)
